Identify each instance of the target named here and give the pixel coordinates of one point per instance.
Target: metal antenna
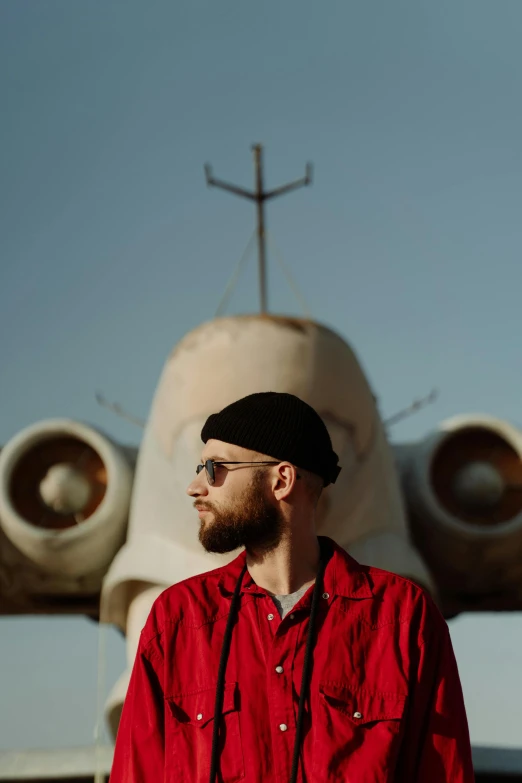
(260, 196)
(411, 409)
(116, 408)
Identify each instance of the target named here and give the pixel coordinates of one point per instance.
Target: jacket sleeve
(139, 750)
(435, 746)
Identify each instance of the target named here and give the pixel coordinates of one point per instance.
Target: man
(294, 662)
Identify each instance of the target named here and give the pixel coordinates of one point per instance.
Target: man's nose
(198, 487)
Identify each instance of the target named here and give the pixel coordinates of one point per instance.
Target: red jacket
(385, 703)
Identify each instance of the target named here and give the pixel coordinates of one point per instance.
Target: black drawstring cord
(220, 689)
(318, 588)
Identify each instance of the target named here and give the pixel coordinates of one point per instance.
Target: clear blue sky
(112, 248)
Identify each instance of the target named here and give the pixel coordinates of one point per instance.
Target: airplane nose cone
(478, 484)
(65, 489)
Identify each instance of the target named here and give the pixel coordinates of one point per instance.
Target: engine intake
(463, 486)
(476, 474)
(65, 490)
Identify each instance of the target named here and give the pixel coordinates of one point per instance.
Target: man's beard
(250, 521)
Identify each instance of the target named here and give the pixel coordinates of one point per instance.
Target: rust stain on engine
(32, 468)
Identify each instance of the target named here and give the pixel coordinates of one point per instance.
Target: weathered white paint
(65, 489)
(139, 607)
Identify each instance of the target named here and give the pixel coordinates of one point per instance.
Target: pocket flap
(361, 706)
(197, 707)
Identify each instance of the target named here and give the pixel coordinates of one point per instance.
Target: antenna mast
(260, 196)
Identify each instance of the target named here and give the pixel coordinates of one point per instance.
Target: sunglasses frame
(210, 464)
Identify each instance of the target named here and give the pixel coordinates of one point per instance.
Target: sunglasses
(210, 465)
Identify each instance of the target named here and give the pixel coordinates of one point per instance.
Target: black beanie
(279, 425)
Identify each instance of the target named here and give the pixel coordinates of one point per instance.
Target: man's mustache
(202, 506)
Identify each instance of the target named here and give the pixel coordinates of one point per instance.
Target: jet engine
(65, 490)
(463, 489)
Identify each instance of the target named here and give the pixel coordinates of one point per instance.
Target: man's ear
(285, 477)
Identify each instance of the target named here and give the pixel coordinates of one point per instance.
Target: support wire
(235, 277)
(289, 277)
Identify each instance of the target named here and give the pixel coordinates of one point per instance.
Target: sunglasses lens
(209, 466)
(199, 469)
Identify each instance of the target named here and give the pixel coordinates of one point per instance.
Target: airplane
(94, 527)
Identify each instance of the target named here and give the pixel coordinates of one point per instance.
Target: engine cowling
(463, 487)
(65, 490)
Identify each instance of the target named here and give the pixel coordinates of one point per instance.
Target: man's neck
(293, 564)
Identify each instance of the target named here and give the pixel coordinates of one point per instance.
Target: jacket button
(279, 669)
(199, 716)
(357, 715)
(270, 617)
(283, 726)
(326, 595)
(291, 616)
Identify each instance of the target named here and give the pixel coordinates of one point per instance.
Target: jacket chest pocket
(361, 731)
(188, 736)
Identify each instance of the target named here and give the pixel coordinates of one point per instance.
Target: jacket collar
(343, 576)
